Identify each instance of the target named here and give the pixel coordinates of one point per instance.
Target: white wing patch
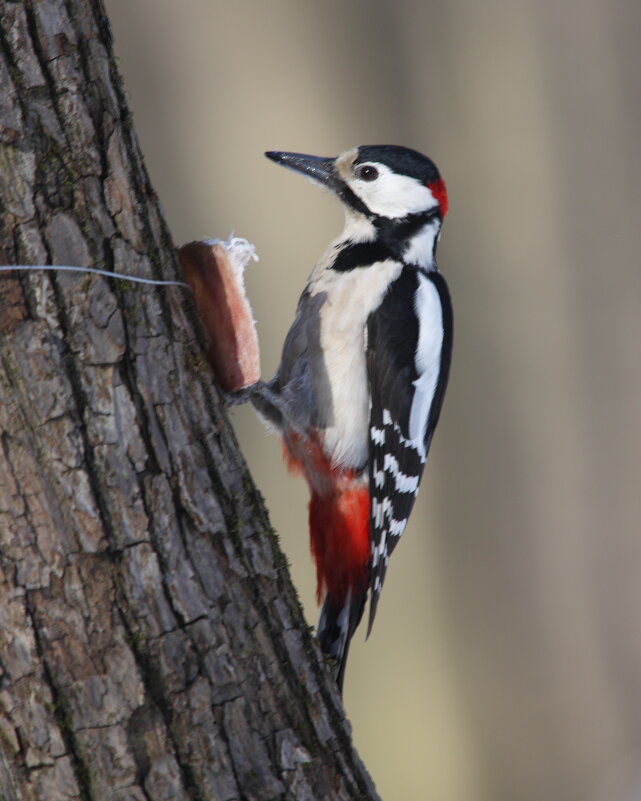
(428, 357)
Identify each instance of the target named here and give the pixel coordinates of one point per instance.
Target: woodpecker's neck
(358, 228)
(421, 247)
(411, 240)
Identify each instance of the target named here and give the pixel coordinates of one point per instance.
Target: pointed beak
(316, 167)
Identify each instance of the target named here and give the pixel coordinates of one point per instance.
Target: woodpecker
(363, 372)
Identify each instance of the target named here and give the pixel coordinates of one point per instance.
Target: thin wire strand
(134, 278)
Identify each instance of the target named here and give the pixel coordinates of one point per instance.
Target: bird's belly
(345, 438)
(341, 386)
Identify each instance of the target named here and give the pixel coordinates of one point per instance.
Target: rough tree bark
(151, 644)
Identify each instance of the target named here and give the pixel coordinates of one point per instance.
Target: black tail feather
(336, 628)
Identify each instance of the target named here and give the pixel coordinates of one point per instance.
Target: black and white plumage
(408, 368)
(363, 372)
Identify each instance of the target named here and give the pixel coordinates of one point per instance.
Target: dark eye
(367, 172)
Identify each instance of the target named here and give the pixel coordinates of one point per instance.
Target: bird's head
(380, 182)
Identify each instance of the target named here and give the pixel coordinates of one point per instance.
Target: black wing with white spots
(409, 344)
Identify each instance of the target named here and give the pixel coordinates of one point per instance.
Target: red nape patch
(439, 190)
(339, 531)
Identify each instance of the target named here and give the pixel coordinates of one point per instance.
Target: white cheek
(392, 195)
(357, 229)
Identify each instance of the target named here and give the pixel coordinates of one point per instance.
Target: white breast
(350, 298)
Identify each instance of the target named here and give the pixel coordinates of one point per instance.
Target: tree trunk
(151, 643)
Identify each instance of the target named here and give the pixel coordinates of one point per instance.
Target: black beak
(316, 167)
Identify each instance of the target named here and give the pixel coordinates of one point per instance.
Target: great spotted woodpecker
(363, 372)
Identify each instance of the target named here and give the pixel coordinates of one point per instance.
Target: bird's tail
(337, 625)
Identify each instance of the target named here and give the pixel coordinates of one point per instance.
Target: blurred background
(505, 664)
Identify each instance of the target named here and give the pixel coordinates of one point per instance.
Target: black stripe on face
(352, 200)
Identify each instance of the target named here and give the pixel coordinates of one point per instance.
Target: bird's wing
(409, 342)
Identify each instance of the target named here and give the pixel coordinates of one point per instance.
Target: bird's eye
(367, 173)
